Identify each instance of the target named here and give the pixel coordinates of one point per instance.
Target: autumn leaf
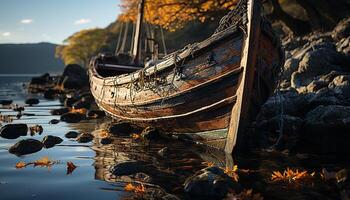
(21, 165)
(103, 134)
(36, 129)
(43, 162)
(290, 175)
(70, 167)
(135, 136)
(80, 110)
(136, 189)
(232, 172)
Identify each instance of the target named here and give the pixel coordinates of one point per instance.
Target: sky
(32, 21)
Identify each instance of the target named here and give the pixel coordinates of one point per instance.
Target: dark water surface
(92, 178)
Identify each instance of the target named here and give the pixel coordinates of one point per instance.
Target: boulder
(69, 101)
(71, 134)
(59, 111)
(327, 129)
(211, 182)
(50, 141)
(5, 102)
(128, 168)
(27, 146)
(41, 80)
(344, 45)
(72, 117)
(32, 101)
(341, 85)
(150, 133)
(85, 138)
(120, 129)
(13, 131)
(342, 30)
(95, 114)
(74, 77)
(50, 94)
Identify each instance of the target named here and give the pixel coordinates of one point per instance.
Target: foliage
(70, 167)
(290, 176)
(135, 188)
(81, 46)
(173, 14)
(42, 162)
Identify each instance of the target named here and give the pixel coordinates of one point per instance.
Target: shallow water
(92, 178)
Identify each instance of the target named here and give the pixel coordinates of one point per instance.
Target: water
(92, 178)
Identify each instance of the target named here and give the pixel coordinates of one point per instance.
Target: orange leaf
(70, 167)
(21, 165)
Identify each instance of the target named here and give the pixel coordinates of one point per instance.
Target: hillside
(29, 58)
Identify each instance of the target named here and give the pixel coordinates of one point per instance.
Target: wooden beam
(239, 114)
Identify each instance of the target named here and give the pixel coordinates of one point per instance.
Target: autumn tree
(81, 46)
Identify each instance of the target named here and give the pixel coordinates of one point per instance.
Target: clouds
(6, 34)
(27, 21)
(82, 21)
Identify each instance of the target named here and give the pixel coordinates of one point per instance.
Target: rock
(71, 134)
(317, 63)
(27, 146)
(120, 129)
(85, 138)
(344, 45)
(150, 133)
(41, 80)
(50, 94)
(59, 111)
(210, 182)
(325, 97)
(342, 30)
(314, 86)
(341, 85)
(128, 168)
(54, 121)
(69, 101)
(32, 101)
(74, 77)
(105, 141)
(290, 66)
(95, 114)
(5, 102)
(72, 117)
(13, 131)
(143, 177)
(50, 141)
(83, 103)
(327, 129)
(163, 152)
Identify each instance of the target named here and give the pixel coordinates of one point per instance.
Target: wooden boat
(209, 91)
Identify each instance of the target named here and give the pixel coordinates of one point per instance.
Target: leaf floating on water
(70, 167)
(232, 172)
(103, 134)
(80, 110)
(21, 165)
(136, 189)
(290, 176)
(43, 162)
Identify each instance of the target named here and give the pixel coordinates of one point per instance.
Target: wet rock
(27, 146)
(50, 94)
(69, 101)
(290, 66)
(327, 129)
(41, 80)
(105, 141)
(72, 117)
(13, 131)
(120, 129)
(5, 102)
(32, 101)
(54, 121)
(150, 133)
(210, 182)
(95, 114)
(71, 134)
(82, 104)
(59, 111)
(50, 141)
(143, 177)
(314, 86)
(344, 45)
(18, 108)
(128, 168)
(74, 77)
(85, 138)
(163, 152)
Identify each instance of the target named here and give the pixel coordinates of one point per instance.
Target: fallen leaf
(70, 167)
(137, 189)
(290, 175)
(21, 165)
(80, 110)
(135, 136)
(43, 162)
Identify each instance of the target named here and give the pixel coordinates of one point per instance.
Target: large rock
(72, 117)
(85, 138)
(327, 129)
(128, 168)
(13, 131)
(6, 102)
(71, 134)
(50, 141)
(209, 182)
(27, 146)
(342, 30)
(316, 63)
(74, 77)
(32, 101)
(120, 129)
(41, 80)
(341, 85)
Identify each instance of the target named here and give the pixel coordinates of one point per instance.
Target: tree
(173, 14)
(81, 46)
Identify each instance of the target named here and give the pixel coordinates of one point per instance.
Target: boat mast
(137, 37)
